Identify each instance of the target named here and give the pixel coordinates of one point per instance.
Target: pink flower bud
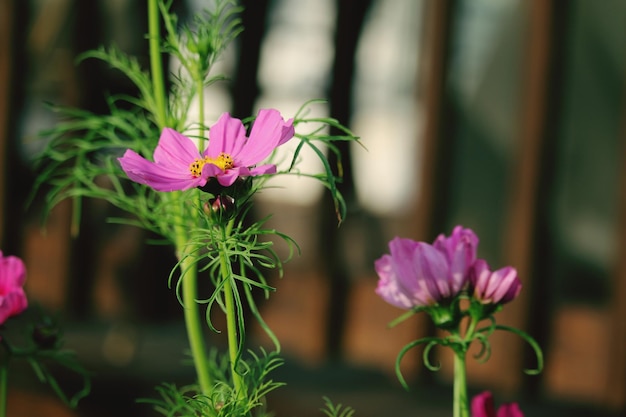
(482, 406)
(497, 287)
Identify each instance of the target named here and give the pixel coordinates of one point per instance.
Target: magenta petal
(12, 273)
(460, 249)
(227, 135)
(263, 169)
(12, 296)
(417, 265)
(512, 286)
(503, 279)
(402, 254)
(482, 405)
(479, 277)
(388, 286)
(159, 177)
(497, 287)
(406, 283)
(268, 131)
(12, 304)
(229, 177)
(432, 272)
(175, 150)
(509, 410)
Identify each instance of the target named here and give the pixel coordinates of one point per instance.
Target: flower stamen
(223, 161)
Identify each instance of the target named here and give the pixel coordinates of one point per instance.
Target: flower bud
(497, 287)
(483, 406)
(221, 207)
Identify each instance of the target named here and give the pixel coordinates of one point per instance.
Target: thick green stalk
(231, 316)
(460, 405)
(4, 377)
(193, 320)
(156, 65)
(200, 90)
(189, 269)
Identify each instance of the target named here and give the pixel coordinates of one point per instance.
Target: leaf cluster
(338, 410)
(223, 401)
(36, 339)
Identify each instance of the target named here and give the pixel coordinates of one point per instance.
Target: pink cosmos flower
(497, 287)
(482, 406)
(178, 165)
(12, 296)
(416, 274)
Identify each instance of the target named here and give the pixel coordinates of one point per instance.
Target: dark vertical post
(527, 238)
(438, 141)
(15, 178)
(349, 22)
(245, 87)
(7, 10)
(616, 383)
(436, 154)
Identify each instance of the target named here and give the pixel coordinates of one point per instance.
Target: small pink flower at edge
(482, 406)
(497, 287)
(12, 296)
(178, 165)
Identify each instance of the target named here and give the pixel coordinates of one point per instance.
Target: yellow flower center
(223, 161)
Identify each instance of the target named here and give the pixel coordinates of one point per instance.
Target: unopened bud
(222, 207)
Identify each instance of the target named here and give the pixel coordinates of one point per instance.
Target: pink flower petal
(12, 273)
(506, 278)
(268, 131)
(227, 135)
(159, 177)
(509, 410)
(263, 170)
(388, 285)
(482, 405)
(12, 296)
(432, 272)
(175, 150)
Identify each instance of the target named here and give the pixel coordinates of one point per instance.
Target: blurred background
(505, 116)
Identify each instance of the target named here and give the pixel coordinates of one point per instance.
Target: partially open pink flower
(12, 296)
(482, 406)
(178, 165)
(416, 274)
(497, 287)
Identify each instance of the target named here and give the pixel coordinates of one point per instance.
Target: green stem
(4, 377)
(156, 66)
(231, 316)
(471, 329)
(200, 90)
(460, 405)
(193, 323)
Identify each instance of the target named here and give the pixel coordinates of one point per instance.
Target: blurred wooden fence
(571, 64)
